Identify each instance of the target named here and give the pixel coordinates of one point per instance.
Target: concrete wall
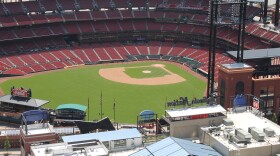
(111, 145)
(261, 151)
(129, 144)
(190, 128)
(210, 141)
(138, 142)
(275, 148)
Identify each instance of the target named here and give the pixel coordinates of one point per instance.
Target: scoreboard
(21, 92)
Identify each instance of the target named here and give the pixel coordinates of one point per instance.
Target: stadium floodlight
(227, 12)
(235, 10)
(224, 13)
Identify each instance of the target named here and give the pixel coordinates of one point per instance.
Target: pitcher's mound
(146, 71)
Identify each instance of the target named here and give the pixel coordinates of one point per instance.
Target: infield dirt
(118, 75)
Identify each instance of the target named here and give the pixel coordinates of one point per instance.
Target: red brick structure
(234, 79)
(36, 134)
(237, 79)
(268, 88)
(13, 139)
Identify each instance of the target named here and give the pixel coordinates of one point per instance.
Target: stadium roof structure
(195, 111)
(30, 102)
(105, 136)
(173, 147)
(257, 53)
(72, 106)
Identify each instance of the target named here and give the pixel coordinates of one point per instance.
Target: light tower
(217, 14)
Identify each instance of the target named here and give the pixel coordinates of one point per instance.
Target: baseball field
(135, 87)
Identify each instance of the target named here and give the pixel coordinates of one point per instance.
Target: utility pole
(101, 113)
(165, 106)
(114, 107)
(88, 108)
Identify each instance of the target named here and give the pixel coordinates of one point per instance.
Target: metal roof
(236, 66)
(257, 1)
(23, 101)
(173, 147)
(195, 111)
(105, 136)
(72, 106)
(257, 53)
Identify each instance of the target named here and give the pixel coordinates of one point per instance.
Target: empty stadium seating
(120, 49)
(14, 71)
(113, 26)
(23, 20)
(112, 52)
(114, 14)
(90, 53)
(100, 52)
(32, 38)
(154, 47)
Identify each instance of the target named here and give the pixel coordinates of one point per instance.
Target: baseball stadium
(118, 75)
(123, 55)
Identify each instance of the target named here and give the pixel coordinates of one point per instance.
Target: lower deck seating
(94, 53)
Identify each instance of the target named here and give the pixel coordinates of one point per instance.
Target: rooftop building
(81, 148)
(118, 140)
(36, 134)
(185, 122)
(243, 133)
(33, 132)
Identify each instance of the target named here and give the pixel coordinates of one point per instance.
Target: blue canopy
(239, 101)
(147, 115)
(35, 115)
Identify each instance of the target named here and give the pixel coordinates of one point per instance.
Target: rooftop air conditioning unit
(243, 135)
(228, 122)
(257, 134)
(269, 132)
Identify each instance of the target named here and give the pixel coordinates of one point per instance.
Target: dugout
(71, 112)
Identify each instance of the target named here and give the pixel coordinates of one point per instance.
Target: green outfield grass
(76, 85)
(138, 72)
